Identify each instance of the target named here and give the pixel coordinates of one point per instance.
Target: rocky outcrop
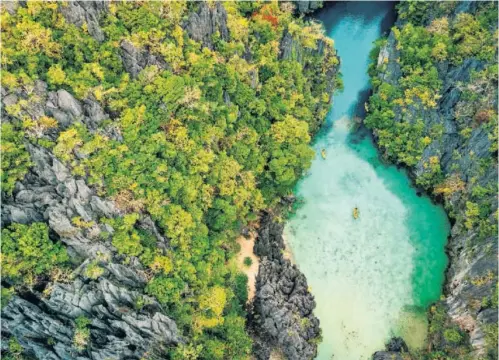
(124, 323)
(135, 60)
(306, 7)
(206, 22)
(119, 329)
(49, 192)
(86, 12)
(394, 350)
(291, 48)
(473, 263)
(282, 311)
(102, 285)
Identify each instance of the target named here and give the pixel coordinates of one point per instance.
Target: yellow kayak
(323, 153)
(355, 213)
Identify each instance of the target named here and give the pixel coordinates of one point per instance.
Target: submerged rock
(395, 349)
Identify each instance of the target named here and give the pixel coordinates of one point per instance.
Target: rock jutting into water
(394, 350)
(282, 312)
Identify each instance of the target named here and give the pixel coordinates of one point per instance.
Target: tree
(15, 158)
(28, 252)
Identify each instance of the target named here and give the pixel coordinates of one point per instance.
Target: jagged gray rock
(282, 310)
(207, 21)
(394, 350)
(86, 12)
(135, 60)
(45, 326)
(292, 49)
(306, 7)
(125, 323)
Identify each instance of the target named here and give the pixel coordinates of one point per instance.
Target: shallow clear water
(371, 277)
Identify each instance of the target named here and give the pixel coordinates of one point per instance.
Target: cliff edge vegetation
(138, 139)
(434, 111)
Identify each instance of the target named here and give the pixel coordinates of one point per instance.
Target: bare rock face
(394, 350)
(86, 12)
(207, 21)
(50, 193)
(135, 60)
(45, 327)
(306, 7)
(282, 315)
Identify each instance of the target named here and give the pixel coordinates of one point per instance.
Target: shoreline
(288, 252)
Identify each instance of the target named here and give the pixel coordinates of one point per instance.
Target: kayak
(355, 213)
(323, 153)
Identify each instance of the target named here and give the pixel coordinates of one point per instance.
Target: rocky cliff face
(281, 315)
(282, 311)
(306, 7)
(124, 323)
(206, 22)
(395, 350)
(103, 287)
(468, 163)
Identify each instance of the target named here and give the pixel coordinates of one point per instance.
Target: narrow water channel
(372, 277)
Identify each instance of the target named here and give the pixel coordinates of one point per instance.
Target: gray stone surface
(282, 313)
(207, 21)
(86, 12)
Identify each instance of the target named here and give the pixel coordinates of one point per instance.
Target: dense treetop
(201, 139)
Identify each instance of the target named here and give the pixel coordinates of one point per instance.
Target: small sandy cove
(250, 271)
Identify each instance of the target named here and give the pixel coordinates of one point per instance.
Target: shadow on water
(365, 13)
(333, 11)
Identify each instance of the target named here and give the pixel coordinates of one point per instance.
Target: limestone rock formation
(282, 315)
(43, 320)
(395, 349)
(306, 7)
(135, 60)
(206, 22)
(85, 12)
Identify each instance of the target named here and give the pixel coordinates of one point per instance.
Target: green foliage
(81, 335)
(452, 336)
(15, 350)
(93, 270)
(491, 336)
(247, 261)
(27, 252)
(430, 40)
(205, 143)
(241, 288)
(15, 158)
(391, 108)
(6, 295)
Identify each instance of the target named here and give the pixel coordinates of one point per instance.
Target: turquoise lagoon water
(373, 277)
